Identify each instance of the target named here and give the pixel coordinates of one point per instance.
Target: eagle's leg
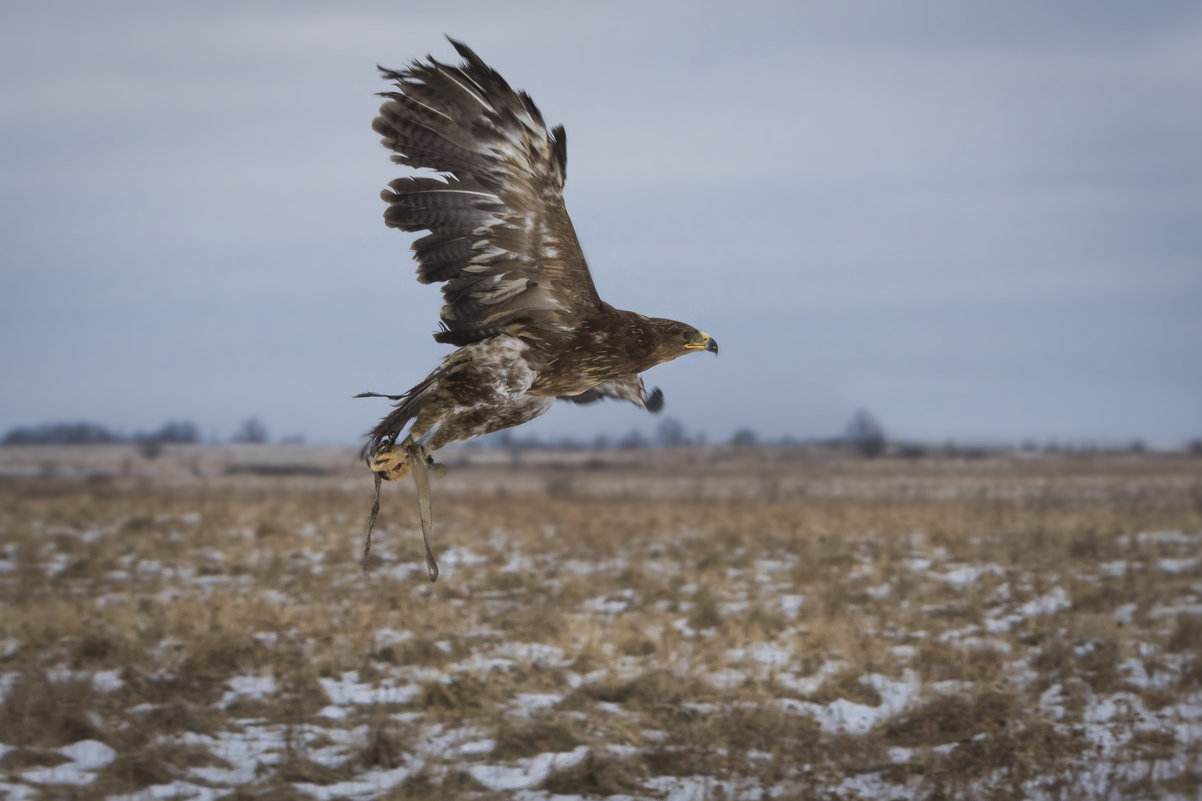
(390, 463)
(418, 458)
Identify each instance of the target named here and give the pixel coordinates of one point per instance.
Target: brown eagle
(519, 303)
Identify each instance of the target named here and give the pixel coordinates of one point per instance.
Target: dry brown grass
(689, 617)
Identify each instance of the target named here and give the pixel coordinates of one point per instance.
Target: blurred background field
(683, 623)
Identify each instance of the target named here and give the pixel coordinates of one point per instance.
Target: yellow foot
(390, 463)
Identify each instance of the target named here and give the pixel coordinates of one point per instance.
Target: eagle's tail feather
(378, 395)
(408, 406)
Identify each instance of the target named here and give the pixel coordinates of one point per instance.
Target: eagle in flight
(519, 303)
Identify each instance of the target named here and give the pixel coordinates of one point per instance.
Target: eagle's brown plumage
(518, 299)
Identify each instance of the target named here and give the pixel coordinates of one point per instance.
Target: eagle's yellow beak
(706, 342)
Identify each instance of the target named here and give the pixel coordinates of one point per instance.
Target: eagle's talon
(390, 463)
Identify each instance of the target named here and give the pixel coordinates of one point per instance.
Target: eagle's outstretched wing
(500, 236)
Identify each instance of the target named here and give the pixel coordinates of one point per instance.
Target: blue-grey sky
(979, 221)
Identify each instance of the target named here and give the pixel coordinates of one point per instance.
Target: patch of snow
(733, 608)
(107, 681)
(478, 747)
(1054, 601)
(349, 690)
(458, 555)
(1171, 611)
(986, 644)
(247, 688)
(525, 703)
(534, 653)
(113, 598)
(518, 563)
(951, 686)
(773, 565)
(918, 563)
(1052, 702)
(528, 772)
(804, 685)
(1190, 708)
(370, 784)
(614, 603)
(952, 635)
(213, 555)
(726, 679)
(57, 564)
(479, 663)
(583, 568)
(703, 788)
(765, 653)
(791, 604)
(850, 717)
(216, 581)
(385, 637)
(175, 789)
(7, 680)
(996, 625)
(682, 625)
(873, 785)
(17, 792)
(1115, 569)
(627, 751)
(607, 605)
(85, 756)
(1163, 538)
(1125, 614)
(1137, 675)
(247, 750)
(966, 574)
(1176, 566)
(62, 675)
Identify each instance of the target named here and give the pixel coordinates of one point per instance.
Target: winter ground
(690, 625)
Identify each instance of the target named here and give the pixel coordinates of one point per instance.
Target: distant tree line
(863, 435)
(174, 432)
(60, 434)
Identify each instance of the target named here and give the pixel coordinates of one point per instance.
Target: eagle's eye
(684, 337)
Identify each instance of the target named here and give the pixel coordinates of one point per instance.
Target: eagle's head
(677, 339)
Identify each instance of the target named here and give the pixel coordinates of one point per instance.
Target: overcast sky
(979, 221)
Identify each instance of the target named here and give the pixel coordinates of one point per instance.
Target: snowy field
(683, 626)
